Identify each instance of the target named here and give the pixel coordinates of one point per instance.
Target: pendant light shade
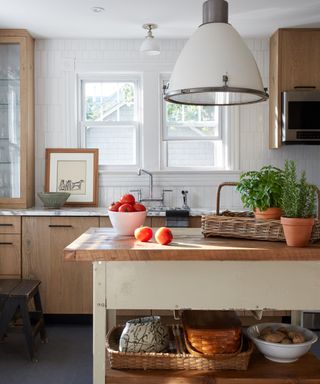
(215, 67)
(150, 45)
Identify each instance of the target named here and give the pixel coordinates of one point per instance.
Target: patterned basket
(177, 358)
(243, 225)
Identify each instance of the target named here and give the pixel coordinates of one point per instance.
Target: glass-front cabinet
(16, 119)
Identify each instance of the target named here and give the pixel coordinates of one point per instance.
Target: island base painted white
(241, 285)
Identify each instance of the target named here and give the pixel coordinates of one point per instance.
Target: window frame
(230, 158)
(82, 123)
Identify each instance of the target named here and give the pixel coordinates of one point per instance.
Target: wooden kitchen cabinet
(294, 62)
(66, 288)
(16, 119)
(10, 247)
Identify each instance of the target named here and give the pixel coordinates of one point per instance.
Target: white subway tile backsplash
(56, 126)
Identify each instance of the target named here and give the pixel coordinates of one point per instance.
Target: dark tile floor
(66, 359)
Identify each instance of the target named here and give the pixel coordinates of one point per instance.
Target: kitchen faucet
(140, 171)
(150, 198)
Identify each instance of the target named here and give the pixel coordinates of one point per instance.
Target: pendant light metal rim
(263, 96)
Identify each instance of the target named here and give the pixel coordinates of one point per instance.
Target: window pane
(192, 131)
(191, 121)
(191, 154)
(209, 113)
(174, 112)
(117, 145)
(191, 113)
(109, 101)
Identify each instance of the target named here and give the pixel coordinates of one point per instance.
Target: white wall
(57, 63)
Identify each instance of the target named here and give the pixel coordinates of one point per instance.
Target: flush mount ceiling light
(150, 46)
(215, 66)
(97, 9)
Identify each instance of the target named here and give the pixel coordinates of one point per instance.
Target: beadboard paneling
(56, 64)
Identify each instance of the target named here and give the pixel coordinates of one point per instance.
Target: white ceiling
(124, 18)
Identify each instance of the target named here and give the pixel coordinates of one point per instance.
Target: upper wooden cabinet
(16, 119)
(294, 62)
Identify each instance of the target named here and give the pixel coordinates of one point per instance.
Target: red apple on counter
(114, 206)
(127, 199)
(143, 234)
(163, 236)
(139, 207)
(126, 208)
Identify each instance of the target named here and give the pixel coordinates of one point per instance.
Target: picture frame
(73, 170)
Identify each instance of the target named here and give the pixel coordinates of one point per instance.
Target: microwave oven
(301, 116)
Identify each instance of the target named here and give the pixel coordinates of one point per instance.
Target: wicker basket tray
(177, 358)
(212, 332)
(243, 225)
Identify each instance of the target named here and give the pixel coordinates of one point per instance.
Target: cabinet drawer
(10, 224)
(75, 224)
(10, 255)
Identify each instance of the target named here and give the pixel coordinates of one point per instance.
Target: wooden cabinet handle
(6, 225)
(60, 226)
(5, 243)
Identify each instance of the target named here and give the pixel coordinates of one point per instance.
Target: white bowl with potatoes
(282, 343)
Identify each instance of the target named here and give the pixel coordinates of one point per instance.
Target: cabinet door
(10, 256)
(66, 287)
(300, 58)
(16, 119)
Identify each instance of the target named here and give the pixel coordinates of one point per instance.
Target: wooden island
(198, 273)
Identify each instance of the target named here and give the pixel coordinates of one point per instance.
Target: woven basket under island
(192, 346)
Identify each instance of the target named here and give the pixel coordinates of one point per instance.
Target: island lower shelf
(261, 371)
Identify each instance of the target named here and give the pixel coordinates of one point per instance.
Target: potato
(266, 330)
(296, 337)
(283, 330)
(273, 337)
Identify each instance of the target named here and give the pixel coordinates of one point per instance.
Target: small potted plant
(261, 191)
(298, 206)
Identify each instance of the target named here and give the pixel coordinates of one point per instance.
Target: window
(192, 136)
(109, 119)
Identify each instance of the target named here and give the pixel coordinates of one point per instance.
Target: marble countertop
(99, 211)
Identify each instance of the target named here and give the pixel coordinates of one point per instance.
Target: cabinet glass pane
(9, 120)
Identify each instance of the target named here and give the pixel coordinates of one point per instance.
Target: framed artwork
(74, 171)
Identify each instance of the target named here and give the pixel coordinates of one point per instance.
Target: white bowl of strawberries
(126, 215)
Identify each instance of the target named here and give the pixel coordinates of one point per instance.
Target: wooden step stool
(15, 295)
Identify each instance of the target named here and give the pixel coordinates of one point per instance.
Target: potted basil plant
(261, 191)
(298, 205)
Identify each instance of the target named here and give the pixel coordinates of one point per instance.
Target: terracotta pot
(297, 231)
(270, 213)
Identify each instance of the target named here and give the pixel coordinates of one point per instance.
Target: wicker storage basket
(177, 358)
(243, 225)
(212, 332)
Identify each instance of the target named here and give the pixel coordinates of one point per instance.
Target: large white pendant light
(215, 67)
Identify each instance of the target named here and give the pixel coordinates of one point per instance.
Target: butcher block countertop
(103, 244)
